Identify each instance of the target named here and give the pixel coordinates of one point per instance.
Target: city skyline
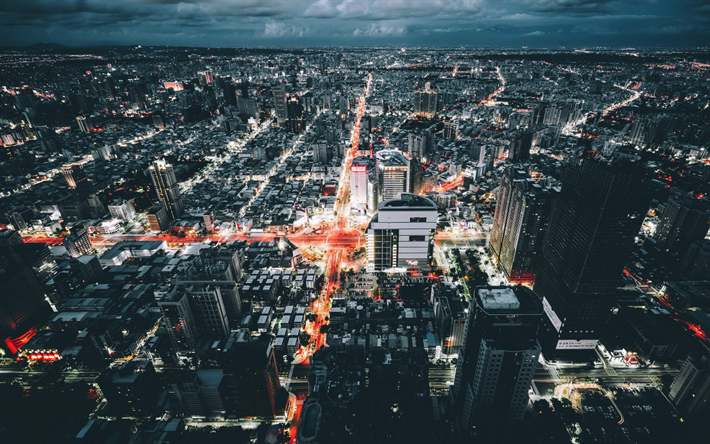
(312, 23)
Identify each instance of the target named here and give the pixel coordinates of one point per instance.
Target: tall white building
(393, 173)
(122, 209)
(362, 167)
(401, 233)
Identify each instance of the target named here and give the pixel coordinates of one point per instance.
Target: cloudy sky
(510, 23)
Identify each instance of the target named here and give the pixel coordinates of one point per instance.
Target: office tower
(401, 233)
(684, 220)
(478, 153)
(37, 256)
(451, 130)
(425, 103)
(78, 243)
(133, 387)
(520, 223)
(498, 357)
(416, 146)
(690, 390)
(9, 237)
(393, 173)
(251, 378)
(158, 218)
(22, 305)
(208, 308)
(196, 393)
(167, 189)
(122, 209)
(360, 171)
(97, 210)
(520, 146)
(373, 192)
(416, 175)
(321, 154)
(450, 312)
(280, 104)
(696, 263)
(177, 317)
(85, 125)
(295, 122)
(590, 237)
(79, 184)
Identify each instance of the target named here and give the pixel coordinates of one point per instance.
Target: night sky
(474, 23)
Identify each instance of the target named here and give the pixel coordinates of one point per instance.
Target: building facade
(401, 233)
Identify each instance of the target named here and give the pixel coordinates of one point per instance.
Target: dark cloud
(356, 22)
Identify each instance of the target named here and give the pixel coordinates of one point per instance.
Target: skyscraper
(498, 357)
(362, 167)
(520, 224)
(425, 103)
(451, 130)
(520, 146)
(590, 236)
(22, 304)
(401, 233)
(393, 173)
(251, 378)
(684, 220)
(321, 153)
(280, 104)
(79, 184)
(416, 146)
(85, 125)
(690, 390)
(166, 187)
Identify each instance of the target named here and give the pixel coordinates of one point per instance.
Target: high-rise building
(85, 125)
(522, 214)
(321, 154)
(393, 173)
(696, 262)
(158, 218)
(133, 387)
(208, 307)
(690, 390)
(684, 220)
(401, 233)
(416, 146)
(9, 237)
(451, 130)
(79, 184)
(177, 317)
(360, 171)
(122, 209)
(425, 103)
(251, 378)
(520, 145)
(280, 104)
(498, 358)
(167, 189)
(78, 243)
(97, 209)
(22, 304)
(590, 237)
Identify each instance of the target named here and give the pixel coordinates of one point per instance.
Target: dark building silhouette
(498, 357)
(520, 145)
(684, 220)
(520, 224)
(79, 184)
(251, 378)
(690, 390)
(131, 388)
(590, 237)
(22, 305)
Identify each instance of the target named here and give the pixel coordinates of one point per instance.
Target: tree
(304, 338)
(311, 317)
